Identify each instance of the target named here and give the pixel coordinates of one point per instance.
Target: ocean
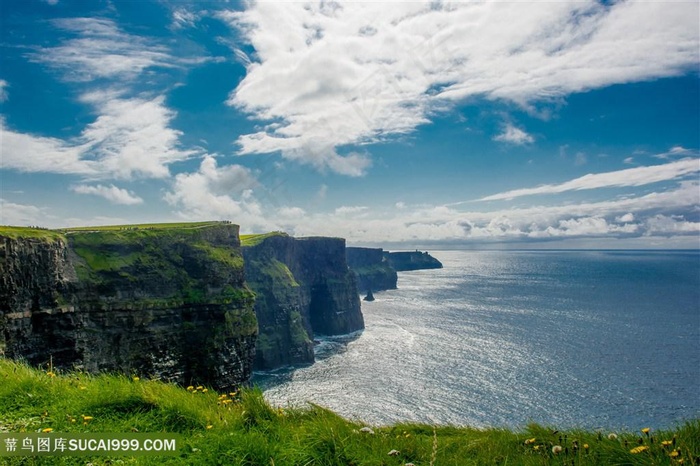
(589, 339)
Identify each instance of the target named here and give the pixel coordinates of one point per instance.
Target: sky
(490, 124)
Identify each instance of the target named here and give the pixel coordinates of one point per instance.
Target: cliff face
(170, 303)
(303, 287)
(371, 269)
(411, 260)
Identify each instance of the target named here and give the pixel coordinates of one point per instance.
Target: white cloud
(335, 74)
(130, 138)
(221, 193)
(514, 135)
(626, 218)
(637, 176)
(184, 18)
(111, 193)
(3, 91)
(100, 51)
(21, 214)
(663, 225)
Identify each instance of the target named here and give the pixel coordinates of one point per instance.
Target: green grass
(248, 431)
(26, 232)
(254, 240)
(145, 226)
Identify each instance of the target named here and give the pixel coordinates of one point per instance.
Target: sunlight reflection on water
(502, 339)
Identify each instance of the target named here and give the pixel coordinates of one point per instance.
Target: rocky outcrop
(303, 288)
(371, 269)
(167, 302)
(411, 260)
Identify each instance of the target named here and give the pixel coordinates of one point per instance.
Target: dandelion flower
(135, 378)
(612, 436)
(556, 449)
(190, 388)
(585, 446)
(205, 390)
(639, 449)
(87, 418)
(646, 430)
(209, 426)
(666, 443)
(47, 430)
(673, 454)
(530, 440)
(199, 387)
(536, 447)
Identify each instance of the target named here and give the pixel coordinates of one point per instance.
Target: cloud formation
(514, 135)
(101, 51)
(112, 193)
(329, 75)
(130, 138)
(638, 176)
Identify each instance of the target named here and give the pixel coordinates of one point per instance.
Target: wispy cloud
(130, 138)
(101, 51)
(637, 176)
(111, 193)
(3, 90)
(336, 74)
(514, 135)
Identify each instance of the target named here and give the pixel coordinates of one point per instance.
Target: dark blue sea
(591, 339)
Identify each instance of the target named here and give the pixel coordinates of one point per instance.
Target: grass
(245, 430)
(145, 226)
(254, 240)
(28, 232)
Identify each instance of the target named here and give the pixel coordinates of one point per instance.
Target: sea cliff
(411, 260)
(304, 288)
(163, 301)
(371, 269)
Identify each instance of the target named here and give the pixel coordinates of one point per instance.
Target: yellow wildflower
(530, 440)
(190, 388)
(47, 430)
(585, 446)
(199, 387)
(673, 454)
(135, 378)
(205, 390)
(209, 426)
(87, 418)
(646, 430)
(51, 374)
(639, 449)
(666, 443)
(536, 447)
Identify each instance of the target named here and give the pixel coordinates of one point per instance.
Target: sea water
(591, 339)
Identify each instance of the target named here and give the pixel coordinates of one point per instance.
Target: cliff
(167, 301)
(371, 269)
(411, 260)
(303, 287)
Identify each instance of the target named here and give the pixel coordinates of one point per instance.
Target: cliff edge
(303, 288)
(371, 269)
(411, 260)
(167, 301)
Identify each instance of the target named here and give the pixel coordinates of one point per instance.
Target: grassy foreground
(242, 429)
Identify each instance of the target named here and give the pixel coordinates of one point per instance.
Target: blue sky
(453, 124)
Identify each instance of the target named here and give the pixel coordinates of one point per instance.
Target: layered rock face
(170, 303)
(371, 269)
(303, 287)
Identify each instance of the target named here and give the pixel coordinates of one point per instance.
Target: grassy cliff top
(241, 428)
(30, 232)
(147, 226)
(45, 233)
(254, 240)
